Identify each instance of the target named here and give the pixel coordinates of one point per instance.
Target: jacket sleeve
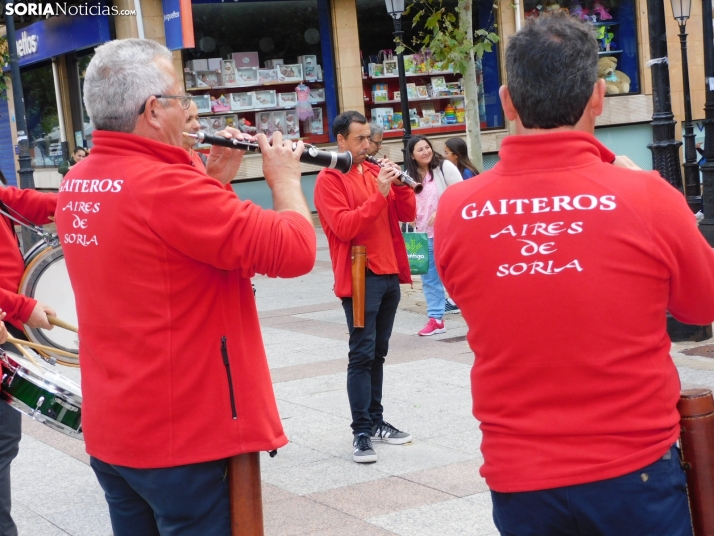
(18, 307)
(64, 168)
(404, 202)
(689, 257)
(36, 206)
(214, 226)
(331, 202)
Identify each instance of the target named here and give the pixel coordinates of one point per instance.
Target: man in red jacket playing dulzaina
(564, 266)
(160, 254)
(364, 207)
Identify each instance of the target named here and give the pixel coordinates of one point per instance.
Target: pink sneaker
(433, 326)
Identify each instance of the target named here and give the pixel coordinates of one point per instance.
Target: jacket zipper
(224, 353)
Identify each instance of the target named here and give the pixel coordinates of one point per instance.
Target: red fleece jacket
(342, 221)
(160, 257)
(563, 266)
(37, 207)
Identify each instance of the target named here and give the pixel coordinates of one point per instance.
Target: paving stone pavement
(430, 487)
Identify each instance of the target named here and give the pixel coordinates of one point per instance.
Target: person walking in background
(456, 152)
(79, 154)
(376, 135)
(435, 174)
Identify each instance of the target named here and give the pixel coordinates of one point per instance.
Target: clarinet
(406, 179)
(312, 155)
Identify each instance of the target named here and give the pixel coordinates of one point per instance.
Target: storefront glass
(376, 38)
(38, 89)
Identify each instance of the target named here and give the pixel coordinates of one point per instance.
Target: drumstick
(61, 323)
(42, 347)
(27, 354)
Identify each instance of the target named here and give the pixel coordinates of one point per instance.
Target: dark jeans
(188, 500)
(368, 348)
(651, 501)
(10, 434)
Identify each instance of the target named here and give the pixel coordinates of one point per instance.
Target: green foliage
(442, 34)
(4, 60)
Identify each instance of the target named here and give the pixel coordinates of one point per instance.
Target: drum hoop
(35, 379)
(28, 284)
(19, 405)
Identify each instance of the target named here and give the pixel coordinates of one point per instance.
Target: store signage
(178, 24)
(55, 36)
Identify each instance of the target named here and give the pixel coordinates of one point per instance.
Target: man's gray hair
(375, 129)
(122, 75)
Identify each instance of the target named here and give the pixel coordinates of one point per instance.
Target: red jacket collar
(555, 150)
(122, 144)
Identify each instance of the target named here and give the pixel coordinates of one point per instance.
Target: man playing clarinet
(364, 207)
(160, 254)
(564, 266)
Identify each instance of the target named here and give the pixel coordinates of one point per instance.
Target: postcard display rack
(280, 96)
(435, 93)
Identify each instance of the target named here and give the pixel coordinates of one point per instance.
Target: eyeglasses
(377, 143)
(184, 101)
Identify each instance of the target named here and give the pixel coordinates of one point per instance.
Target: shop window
(615, 24)
(254, 78)
(38, 90)
(435, 108)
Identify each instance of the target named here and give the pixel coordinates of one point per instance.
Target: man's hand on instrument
(223, 162)
(387, 162)
(38, 318)
(387, 176)
(3, 329)
(280, 163)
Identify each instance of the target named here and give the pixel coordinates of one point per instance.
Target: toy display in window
(616, 82)
(264, 123)
(292, 125)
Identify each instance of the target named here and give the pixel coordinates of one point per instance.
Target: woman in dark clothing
(457, 153)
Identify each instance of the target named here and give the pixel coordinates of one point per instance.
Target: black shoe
(363, 453)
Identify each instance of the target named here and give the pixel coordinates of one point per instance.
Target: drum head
(46, 280)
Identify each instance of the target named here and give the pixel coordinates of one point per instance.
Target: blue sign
(178, 24)
(54, 36)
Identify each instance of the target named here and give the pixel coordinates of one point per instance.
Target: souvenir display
(303, 108)
(218, 123)
(438, 84)
(422, 92)
(390, 68)
(271, 64)
(267, 76)
(246, 59)
(289, 73)
(229, 73)
(189, 78)
(378, 114)
(241, 101)
(203, 103)
(287, 99)
(197, 65)
(264, 99)
(231, 120)
(278, 120)
(411, 91)
(380, 93)
(204, 124)
(292, 125)
(316, 125)
(246, 76)
(208, 78)
(265, 124)
(317, 95)
(309, 66)
(376, 70)
(220, 104)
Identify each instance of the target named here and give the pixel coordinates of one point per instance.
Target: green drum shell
(58, 409)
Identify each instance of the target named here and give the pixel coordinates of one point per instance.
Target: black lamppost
(681, 10)
(706, 226)
(27, 178)
(395, 8)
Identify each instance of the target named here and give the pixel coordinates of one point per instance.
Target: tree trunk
(473, 121)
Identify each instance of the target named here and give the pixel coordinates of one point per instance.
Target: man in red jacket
(364, 207)
(38, 208)
(564, 266)
(160, 254)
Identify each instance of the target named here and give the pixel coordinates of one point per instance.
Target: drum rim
(47, 255)
(19, 405)
(33, 378)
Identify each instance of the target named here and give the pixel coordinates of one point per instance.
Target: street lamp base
(679, 332)
(706, 227)
(695, 203)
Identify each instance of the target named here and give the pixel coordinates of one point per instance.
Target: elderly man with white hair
(160, 254)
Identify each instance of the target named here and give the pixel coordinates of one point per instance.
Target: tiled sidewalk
(430, 487)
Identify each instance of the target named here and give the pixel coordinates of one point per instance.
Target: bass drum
(47, 281)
